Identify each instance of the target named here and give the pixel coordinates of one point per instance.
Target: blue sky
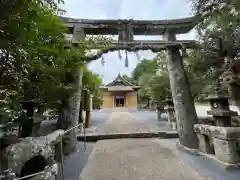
(126, 9)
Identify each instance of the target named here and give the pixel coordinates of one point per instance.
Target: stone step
(96, 137)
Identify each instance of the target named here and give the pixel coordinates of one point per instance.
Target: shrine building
(120, 93)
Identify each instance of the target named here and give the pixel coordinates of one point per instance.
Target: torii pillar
(71, 112)
(183, 102)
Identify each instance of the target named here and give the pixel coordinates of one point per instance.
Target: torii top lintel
(140, 27)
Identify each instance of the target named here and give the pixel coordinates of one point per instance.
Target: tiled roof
(120, 88)
(120, 79)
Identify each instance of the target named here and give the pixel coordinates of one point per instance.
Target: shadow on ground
(74, 163)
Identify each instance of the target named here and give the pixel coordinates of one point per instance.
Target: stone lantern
(220, 108)
(159, 109)
(219, 139)
(169, 108)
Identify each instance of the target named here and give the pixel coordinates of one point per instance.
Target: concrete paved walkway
(134, 159)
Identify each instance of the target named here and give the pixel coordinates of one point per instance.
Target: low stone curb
(210, 157)
(96, 137)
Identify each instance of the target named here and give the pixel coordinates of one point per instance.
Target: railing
(9, 175)
(61, 144)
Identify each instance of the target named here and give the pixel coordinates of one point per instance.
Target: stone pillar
(159, 109)
(158, 112)
(183, 102)
(169, 108)
(70, 112)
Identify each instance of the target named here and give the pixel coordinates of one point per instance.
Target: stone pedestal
(204, 144)
(224, 142)
(226, 150)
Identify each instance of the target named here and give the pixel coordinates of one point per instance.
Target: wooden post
(183, 102)
(80, 117)
(88, 118)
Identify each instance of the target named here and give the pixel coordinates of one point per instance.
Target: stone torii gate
(126, 29)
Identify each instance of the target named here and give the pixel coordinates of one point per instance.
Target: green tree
(37, 69)
(152, 77)
(91, 83)
(159, 85)
(32, 55)
(145, 66)
(144, 93)
(155, 85)
(219, 34)
(128, 78)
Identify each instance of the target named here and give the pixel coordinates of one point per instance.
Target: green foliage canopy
(37, 63)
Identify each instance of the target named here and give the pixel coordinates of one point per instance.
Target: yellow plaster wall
(131, 99)
(107, 100)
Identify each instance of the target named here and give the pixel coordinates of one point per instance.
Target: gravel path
(124, 122)
(134, 159)
(75, 163)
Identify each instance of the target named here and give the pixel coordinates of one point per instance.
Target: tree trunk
(183, 102)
